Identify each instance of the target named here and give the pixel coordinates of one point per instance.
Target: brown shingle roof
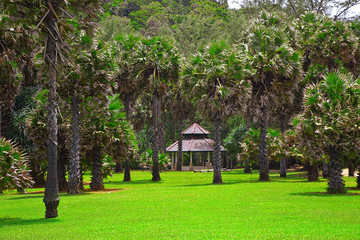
(194, 145)
(195, 129)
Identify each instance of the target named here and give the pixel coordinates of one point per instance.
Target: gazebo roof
(195, 129)
(194, 145)
(196, 140)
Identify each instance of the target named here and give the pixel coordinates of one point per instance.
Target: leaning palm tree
(158, 62)
(331, 114)
(215, 75)
(276, 69)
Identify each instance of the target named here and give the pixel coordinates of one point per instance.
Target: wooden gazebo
(195, 139)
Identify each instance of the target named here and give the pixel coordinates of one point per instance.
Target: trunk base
(283, 175)
(96, 186)
(127, 177)
(313, 173)
(264, 177)
(247, 168)
(51, 209)
(75, 191)
(217, 181)
(156, 179)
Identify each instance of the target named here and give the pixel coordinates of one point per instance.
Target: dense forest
(108, 85)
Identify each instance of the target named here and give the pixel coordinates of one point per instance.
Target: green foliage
(108, 166)
(215, 76)
(330, 117)
(278, 146)
(123, 143)
(231, 142)
(206, 8)
(14, 172)
(146, 158)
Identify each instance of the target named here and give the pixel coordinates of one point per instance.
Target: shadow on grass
(134, 182)
(8, 221)
(211, 184)
(40, 194)
(324, 194)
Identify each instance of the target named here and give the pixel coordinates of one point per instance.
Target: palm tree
(276, 68)
(331, 110)
(181, 107)
(126, 82)
(51, 197)
(158, 62)
(215, 75)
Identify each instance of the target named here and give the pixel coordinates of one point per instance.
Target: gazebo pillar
(191, 168)
(173, 161)
(176, 160)
(208, 159)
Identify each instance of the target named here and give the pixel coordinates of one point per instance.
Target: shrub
(14, 172)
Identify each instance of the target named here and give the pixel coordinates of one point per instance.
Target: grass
(186, 206)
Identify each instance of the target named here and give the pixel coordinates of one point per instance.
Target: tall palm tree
(276, 68)
(215, 75)
(158, 61)
(127, 85)
(51, 197)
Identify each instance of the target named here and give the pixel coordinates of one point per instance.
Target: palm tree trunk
(147, 136)
(0, 118)
(51, 197)
(119, 167)
(336, 184)
(325, 170)
(217, 153)
(351, 169)
(179, 153)
(161, 130)
(282, 161)
(61, 163)
(96, 180)
(155, 143)
(75, 180)
(263, 153)
(127, 177)
(313, 173)
(247, 162)
(174, 131)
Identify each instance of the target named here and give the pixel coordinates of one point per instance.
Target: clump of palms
(329, 121)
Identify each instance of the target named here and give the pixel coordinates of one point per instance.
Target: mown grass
(186, 205)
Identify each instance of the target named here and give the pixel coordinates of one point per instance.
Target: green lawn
(186, 206)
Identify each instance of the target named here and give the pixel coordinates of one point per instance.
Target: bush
(14, 172)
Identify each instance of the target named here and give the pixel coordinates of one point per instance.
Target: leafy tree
(14, 171)
(216, 76)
